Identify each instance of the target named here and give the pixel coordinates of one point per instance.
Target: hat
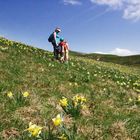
(61, 39)
(58, 29)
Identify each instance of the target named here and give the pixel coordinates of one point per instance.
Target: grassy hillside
(123, 60)
(109, 107)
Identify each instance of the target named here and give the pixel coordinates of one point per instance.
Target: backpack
(51, 38)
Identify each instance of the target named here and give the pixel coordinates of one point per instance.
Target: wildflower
(83, 99)
(64, 102)
(127, 86)
(72, 64)
(10, 94)
(88, 73)
(50, 64)
(58, 120)
(75, 84)
(139, 98)
(104, 89)
(34, 129)
(95, 75)
(80, 99)
(63, 137)
(130, 100)
(121, 84)
(76, 98)
(70, 84)
(25, 94)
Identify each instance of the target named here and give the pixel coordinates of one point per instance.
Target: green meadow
(112, 93)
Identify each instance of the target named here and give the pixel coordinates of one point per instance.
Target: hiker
(64, 53)
(55, 39)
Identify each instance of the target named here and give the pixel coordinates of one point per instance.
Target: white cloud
(132, 12)
(130, 8)
(112, 3)
(72, 2)
(101, 52)
(122, 52)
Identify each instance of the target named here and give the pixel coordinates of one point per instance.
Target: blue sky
(88, 25)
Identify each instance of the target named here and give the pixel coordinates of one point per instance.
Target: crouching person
(64, 50)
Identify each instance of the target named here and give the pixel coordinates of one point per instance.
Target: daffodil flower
(10, 94)
(130, 100)
(76, 98)
(83, 99)
(75, 84)
(34, 129)
(58, 120)
(70, 84)
(25, 94)
(64, 102)
(80, 99)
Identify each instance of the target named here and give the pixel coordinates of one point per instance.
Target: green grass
(108, 88)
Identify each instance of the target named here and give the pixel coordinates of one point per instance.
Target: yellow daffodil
(34, 129)
(63, 137)
(130, 100)
(88, 73)
(58, 120)
(139, 98)
(76, 98)
(25, 94)
(79, 99)
(75, 84)
(95, 75)
(83, 99)
(10, 94)
(70, 84)
(64, 102)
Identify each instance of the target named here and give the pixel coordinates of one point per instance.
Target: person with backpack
(54, 38)
(64, 47)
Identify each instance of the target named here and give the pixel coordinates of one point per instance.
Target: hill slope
(123, 60)
(113, 104)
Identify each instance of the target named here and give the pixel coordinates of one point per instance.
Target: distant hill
(123, 60)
